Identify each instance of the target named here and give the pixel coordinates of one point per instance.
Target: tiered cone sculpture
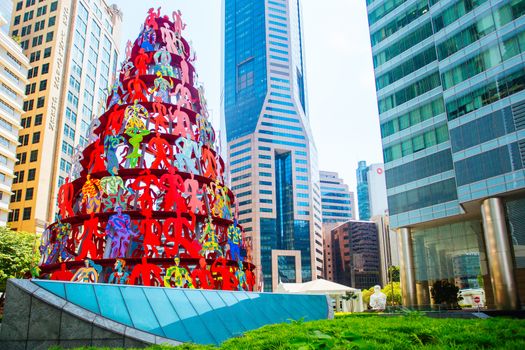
(147, 204)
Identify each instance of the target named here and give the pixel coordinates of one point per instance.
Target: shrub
(18, 255)
(444, 292)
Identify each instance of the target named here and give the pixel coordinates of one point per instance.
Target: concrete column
(499, 255)
(423, 294)
(406, 267)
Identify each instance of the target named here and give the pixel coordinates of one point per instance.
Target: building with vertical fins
(13, 79)
(272, 155)
(450, 80)
(73, 48)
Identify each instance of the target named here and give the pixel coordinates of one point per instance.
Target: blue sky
(339, 72)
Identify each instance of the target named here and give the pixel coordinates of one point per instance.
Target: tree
(444, 292)
(393, 274)
(18, 255)
(366, 293)
(396, 293)
(393, 291)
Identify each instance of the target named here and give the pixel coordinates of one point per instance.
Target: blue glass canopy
(189, 315)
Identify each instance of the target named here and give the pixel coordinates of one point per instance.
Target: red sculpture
(115, 120)
(173, 187)
(202, 277)
(145, 274)
(208, 163)
(159, 117)
(152, 18)
(136, 88)
(141, 62)
(151, 229)
(146, 195)
(162, 151)
(195, 204)
(183, 125)
(88, 247)
(96, 157)
(176, 234)
(63, 274)
(65, 199)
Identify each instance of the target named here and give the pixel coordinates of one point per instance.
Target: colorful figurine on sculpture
(87, 274)
(178, 276)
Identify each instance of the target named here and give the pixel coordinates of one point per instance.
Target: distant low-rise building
(355, 254)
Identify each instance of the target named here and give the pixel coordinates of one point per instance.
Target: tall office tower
(13, 78)
(338, 206)
(73, 48)
(378, 204)
(272, 156)
(371, 190)
(363, 201)
(450, 78)
(355, 252)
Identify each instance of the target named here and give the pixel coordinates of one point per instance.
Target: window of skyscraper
(34, 156)
(27, 214)
(31, 174)
(245, 74)
(38, 119)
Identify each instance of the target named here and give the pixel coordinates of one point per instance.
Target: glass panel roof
(189, 315)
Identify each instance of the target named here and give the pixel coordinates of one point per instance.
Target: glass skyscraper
(363, 199)
(338, 202)
(450, 79)
(338, 205)
(272, 156)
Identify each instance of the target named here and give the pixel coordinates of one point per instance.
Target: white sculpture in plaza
(378, 299)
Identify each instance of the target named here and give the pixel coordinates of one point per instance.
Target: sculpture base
(39, 314)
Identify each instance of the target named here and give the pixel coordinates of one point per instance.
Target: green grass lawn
(373, 332)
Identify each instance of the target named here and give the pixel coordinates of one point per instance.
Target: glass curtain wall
(286, 269)
(450, 252)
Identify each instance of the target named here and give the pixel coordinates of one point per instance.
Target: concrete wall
(36, 319)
